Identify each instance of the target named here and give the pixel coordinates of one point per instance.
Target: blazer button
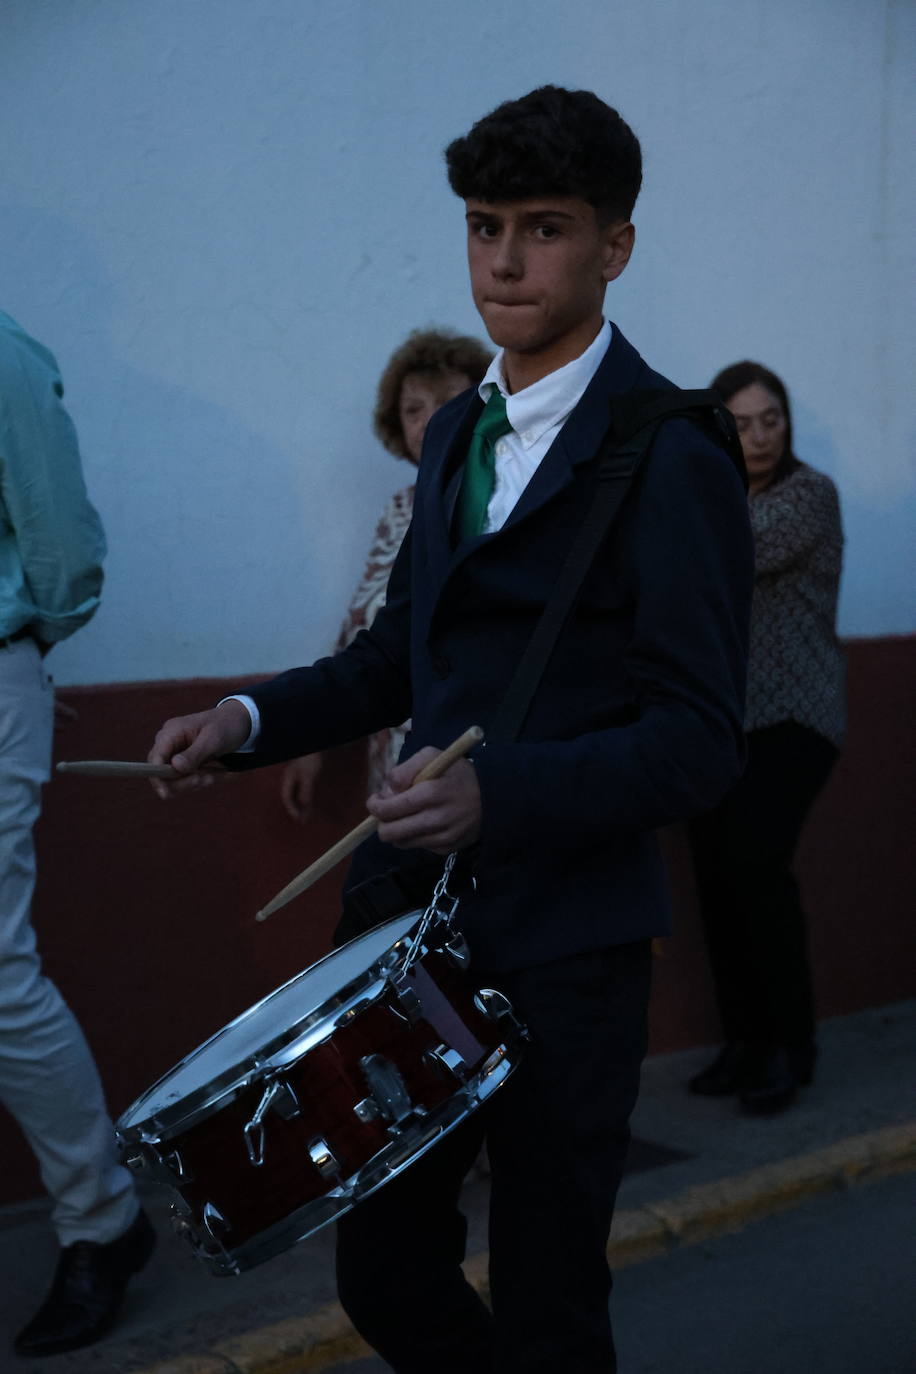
(442, 665)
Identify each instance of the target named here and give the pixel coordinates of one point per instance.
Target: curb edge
(305, 1345)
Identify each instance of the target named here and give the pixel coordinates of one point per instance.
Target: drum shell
(209, 1166)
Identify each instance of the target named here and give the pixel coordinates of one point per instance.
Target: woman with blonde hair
(426, 370)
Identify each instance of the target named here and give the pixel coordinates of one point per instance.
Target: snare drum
(323, 1091)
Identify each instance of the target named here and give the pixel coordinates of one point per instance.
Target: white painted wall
(223, 214)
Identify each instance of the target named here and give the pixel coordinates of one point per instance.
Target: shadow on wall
(878, 524)
(205, 518)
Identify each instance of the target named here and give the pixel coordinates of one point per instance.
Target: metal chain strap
(435, 911)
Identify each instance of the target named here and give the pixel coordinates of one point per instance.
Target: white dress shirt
(536, 415)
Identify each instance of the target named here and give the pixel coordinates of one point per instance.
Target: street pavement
(827, 1285)
(715, 1177)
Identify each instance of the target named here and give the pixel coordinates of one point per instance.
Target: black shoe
(802, 1059)
(88, 1286)
(726, 1073)
(773, 1081)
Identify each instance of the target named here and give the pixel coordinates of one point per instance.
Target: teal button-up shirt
(51, 539)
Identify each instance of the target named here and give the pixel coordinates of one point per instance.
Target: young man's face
(539, 269)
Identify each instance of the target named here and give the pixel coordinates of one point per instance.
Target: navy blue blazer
(638, 720)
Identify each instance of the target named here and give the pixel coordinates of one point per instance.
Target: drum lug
(142, 1152)
(146, 1156)
(456, 947)
(285, 1103)
(410, 1002)
(215, 1224)
(448, 1059)
(174, 1161)
(367, 1110)
(207, 1247)
(279, 1096)
(386, 1089)
(324, 1159)
(494, 1005)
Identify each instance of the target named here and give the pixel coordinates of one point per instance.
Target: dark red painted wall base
(145, 911)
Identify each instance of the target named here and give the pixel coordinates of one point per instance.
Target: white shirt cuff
(254, 716)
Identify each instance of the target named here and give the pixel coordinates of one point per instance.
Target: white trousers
(48, 1080)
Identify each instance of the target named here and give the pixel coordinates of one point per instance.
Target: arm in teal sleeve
(51, 539)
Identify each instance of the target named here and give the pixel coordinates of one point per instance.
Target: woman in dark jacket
(743, 850)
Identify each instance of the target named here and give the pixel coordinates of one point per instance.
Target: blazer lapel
(620, 370)
(584, 429)
(453, 466)
(447, 466)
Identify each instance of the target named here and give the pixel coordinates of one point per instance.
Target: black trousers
(557, 1134)
(756, 931)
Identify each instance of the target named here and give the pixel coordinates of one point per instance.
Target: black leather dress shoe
(726, 1073)
(88, 1286)
(773, 1081)
(801, 1060)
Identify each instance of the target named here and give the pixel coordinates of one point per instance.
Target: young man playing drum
(635, 723)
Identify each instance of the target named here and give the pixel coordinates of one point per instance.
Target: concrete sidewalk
(858, 1120)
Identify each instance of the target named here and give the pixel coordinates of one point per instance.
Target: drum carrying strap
(635, 419)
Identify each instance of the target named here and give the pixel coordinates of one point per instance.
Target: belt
(24, 632)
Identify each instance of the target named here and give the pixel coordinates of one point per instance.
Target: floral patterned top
(796, 669)
(368, 599)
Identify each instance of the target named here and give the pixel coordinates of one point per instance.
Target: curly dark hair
(432, 353)
(551, 142)
(736, 377)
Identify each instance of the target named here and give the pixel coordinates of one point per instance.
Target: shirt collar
(546, 404)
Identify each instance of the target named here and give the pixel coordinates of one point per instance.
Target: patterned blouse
(368, 600)
(796, 669)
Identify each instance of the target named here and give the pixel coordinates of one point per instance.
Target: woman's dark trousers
(756, 931)
(557, 1135)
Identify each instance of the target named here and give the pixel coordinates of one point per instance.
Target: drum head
(282, 1026)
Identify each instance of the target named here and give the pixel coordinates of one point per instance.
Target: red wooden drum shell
(390, 1063)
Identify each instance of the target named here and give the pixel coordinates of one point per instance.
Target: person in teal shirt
(51, 550)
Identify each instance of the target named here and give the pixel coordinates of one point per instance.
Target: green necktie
(480, 467)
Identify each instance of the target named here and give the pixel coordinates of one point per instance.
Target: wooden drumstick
(434, 769)
(117, 768)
